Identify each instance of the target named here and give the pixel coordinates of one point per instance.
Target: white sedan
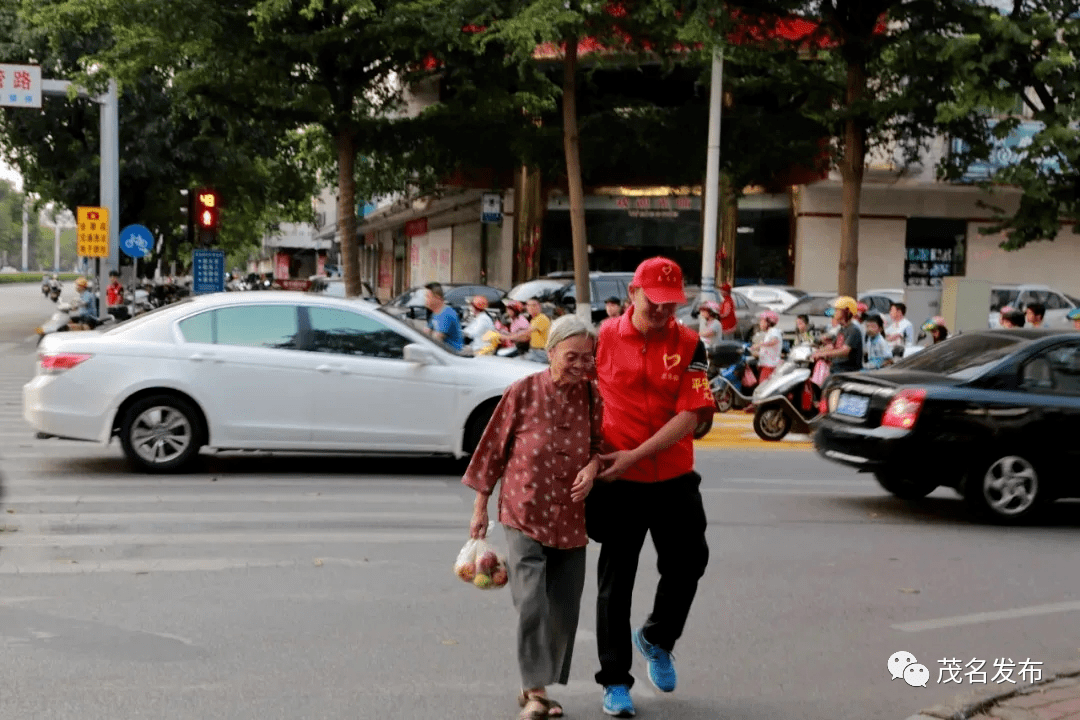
(273, 371)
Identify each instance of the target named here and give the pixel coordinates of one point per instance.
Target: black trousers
(619, 514)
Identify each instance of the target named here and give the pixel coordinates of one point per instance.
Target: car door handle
(327, 368)
(199, 357)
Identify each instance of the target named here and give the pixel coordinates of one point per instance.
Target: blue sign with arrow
(136, 241)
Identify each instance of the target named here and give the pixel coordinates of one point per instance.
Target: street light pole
(712, 180)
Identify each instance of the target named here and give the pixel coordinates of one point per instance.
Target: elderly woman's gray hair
(566, 327)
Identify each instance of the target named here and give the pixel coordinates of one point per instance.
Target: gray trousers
(546, 585)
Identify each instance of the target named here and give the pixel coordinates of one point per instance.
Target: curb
(970, 704)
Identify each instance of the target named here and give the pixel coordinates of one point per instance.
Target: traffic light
(206, 215)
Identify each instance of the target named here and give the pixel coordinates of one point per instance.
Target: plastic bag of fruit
(479, 564)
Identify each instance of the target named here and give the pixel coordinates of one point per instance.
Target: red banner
(281, 266)
(416, 227)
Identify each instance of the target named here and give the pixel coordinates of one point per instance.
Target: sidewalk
(1056, 697)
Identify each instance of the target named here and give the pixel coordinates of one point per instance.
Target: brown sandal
(552, 708)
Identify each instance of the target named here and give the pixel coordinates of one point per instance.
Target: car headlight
(834, 399)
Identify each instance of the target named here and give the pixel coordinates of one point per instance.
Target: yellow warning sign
(93, 233)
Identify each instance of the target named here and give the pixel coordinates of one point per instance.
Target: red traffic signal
(206, 209)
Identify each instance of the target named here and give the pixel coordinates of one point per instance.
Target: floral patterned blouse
(540, 436)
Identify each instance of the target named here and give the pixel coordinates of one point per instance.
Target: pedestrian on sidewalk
(543, 442)
(728, 321)
(651, 374)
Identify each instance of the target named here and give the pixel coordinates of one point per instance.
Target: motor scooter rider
(1074, 315)
(87, 311)
(846, 353)
(935, 328)
(480, 325)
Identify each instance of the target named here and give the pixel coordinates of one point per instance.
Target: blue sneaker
(661, 669)
(617, 702)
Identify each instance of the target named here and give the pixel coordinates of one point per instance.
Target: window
(1000, 297)
(268, 326)
(198, 328)
(935, 248)
(608, 287)
(1055, 371)
(963, 356)
(1055, 302)
(348, 333)
(740, 302)
(764, 296)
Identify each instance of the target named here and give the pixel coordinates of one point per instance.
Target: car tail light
(904, 409)
(54, 363)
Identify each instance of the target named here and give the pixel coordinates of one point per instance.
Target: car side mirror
(416, 353)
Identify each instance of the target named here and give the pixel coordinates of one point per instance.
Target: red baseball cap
(661, 279)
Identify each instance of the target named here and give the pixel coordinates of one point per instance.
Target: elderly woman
(543, 441)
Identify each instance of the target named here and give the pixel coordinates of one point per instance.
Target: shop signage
(663, 206)
(1004, 152)
(416, 227)
(491, 208)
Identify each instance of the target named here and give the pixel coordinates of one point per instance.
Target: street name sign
(20, 85)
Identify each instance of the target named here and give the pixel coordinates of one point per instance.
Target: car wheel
(904, 488)
(162, 433)
(772, 423)
(724, 400)
(1007, 489)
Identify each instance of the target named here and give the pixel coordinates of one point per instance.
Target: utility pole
(712, 180)
(56, 242)
(109, 177)
(25, 232)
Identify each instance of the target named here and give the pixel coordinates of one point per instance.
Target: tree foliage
(168, 141)
(1019, 63)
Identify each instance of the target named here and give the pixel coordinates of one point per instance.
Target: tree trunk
(573, 181)
(346, 211)
(851, 170)
(729, 229)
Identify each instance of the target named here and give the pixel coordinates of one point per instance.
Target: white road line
(14, 499)
(770, 491)
(17, 540)
(985, 617)
(148, 565)
(337, 481)
(28, 520)
(789, 481)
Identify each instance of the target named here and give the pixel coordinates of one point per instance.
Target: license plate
(853, 405)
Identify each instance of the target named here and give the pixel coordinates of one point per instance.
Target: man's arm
(672, 432)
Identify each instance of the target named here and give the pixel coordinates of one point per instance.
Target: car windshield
(535, 288)
(963, 356)
(1000, 297)
(810, 305)
(797, 293)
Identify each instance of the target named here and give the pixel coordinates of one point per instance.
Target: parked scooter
(728, 361)
(788, 400)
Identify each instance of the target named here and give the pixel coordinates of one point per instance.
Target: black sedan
(992, 414)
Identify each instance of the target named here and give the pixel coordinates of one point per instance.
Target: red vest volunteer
(647, 380)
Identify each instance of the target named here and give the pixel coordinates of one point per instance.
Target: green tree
(1021, 59)
(888, 65)
(168, 141)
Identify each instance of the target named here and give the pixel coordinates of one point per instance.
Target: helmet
(1074, 314)
(846, 302)
(480, 302)
(515, 305)
(863, 307)
(934, 323)
(82, 282)
(711, 307)
(771, 317)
